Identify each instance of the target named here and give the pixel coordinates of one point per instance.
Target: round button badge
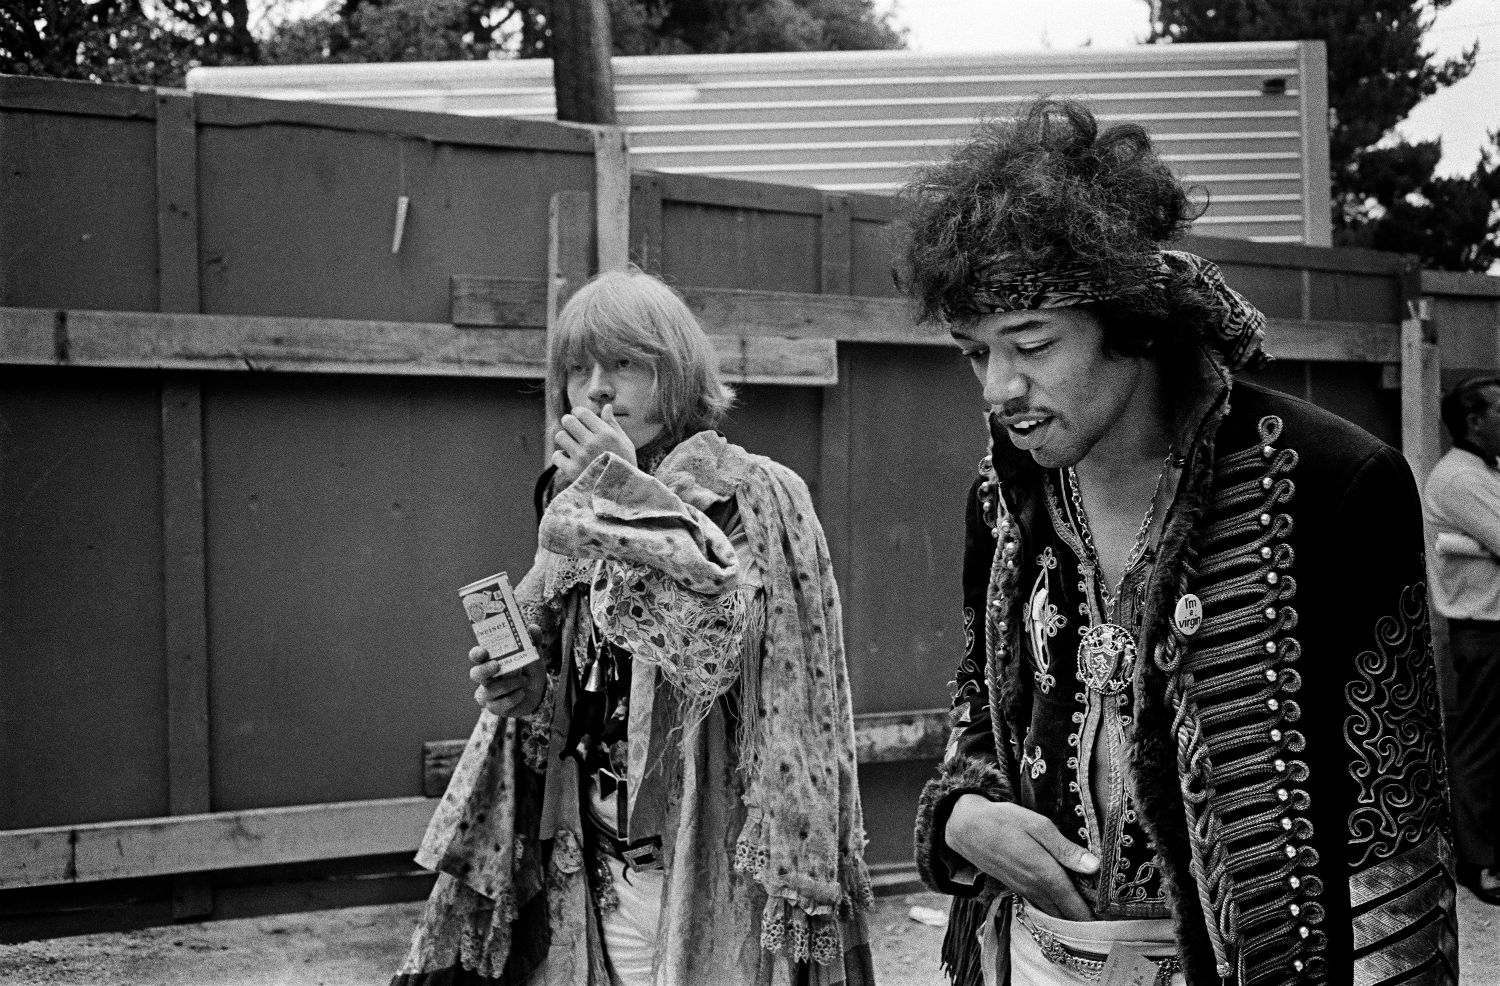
(1189, 614)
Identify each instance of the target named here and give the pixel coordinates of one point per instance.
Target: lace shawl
(799, 851)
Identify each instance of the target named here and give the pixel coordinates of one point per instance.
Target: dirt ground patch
(359, 946)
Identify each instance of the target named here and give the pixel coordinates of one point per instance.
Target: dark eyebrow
(1030, 323)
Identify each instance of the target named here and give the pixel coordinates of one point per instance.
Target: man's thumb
(1069, 854)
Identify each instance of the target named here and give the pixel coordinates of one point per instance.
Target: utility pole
(582, 78)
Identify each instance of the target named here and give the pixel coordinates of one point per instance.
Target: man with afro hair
(1196, 734)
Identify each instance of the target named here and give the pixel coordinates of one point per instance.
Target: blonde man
(672, 798)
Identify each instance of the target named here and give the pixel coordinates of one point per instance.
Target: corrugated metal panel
(1245, 122)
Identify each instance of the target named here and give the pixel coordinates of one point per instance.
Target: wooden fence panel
(874, 249)
(82, 679)
(1466, 311)
(714, 247)
(916, 443)
(77, 209)
(356, 507)
(276, 197)
(1356, 297)
(781, 422)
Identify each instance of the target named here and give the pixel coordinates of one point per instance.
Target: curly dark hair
(1046, 190)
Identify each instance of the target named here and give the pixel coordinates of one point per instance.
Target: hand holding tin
(515, 693)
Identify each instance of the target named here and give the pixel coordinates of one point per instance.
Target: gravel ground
(360, 946)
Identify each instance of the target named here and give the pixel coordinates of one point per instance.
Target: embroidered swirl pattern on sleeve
(1400, 856)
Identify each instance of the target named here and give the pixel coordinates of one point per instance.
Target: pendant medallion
(1106, 655)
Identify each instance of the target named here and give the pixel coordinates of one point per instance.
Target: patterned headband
(1237, 336)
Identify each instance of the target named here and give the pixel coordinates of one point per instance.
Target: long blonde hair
(630, 314)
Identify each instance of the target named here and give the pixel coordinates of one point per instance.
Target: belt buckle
(643, 854)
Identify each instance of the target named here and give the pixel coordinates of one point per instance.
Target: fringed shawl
(776, 875)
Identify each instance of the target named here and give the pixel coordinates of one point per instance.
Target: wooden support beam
(185, 611)
(1459, 283)
(1421, 391)
(611, 198)
(836, 420)
(1421, 378)
(879, 737)
(21, 92)
(163, 341)
(1317, 341)
(498, 302)
(512, 302)
(570, 248)
(236, 343)
(205, 842)
(152, 340)
(481, 301)
(835, 246)
(276, 836)
(185, 594)
(759, 196)
(185, 598)
(433, 127)
(836, 438)
(785, 362)
(814, 316)
(569, 256)
(646, 221)
(176, 201)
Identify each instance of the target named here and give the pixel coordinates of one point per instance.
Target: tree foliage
(400, 30)
(1386, 193)
(154, 42)
(1405, 206)
(126, 41)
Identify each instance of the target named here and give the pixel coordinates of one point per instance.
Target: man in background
(1462, 506)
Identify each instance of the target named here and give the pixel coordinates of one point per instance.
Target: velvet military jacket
(1286, 753)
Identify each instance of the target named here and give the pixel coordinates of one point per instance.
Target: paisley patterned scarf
(1237, 336)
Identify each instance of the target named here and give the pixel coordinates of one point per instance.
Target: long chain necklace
(1142, 536)
(1106, 650)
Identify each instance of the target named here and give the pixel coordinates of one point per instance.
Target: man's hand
(1024, 851)
(513, 695)
(583, 436)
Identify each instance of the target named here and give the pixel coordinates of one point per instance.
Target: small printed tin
(497, 621)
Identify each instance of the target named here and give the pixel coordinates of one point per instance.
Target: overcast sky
(1460, 115)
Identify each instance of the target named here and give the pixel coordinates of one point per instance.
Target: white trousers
(1029, 965)
(630, 929)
